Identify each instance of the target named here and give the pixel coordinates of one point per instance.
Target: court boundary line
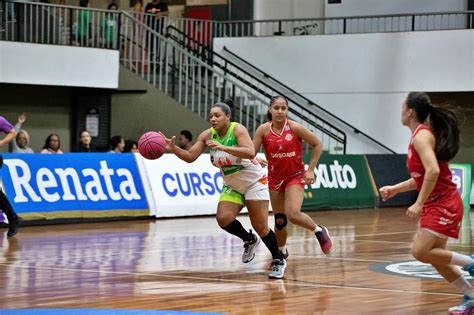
(289, 281)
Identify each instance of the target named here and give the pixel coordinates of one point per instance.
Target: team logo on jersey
(288, 137)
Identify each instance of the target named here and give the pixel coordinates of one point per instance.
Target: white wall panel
(25, 63)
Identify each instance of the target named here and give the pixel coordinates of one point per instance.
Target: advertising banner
(462, 178)
(74, 183)
(461, 174)
(179, 188)
(341, 181)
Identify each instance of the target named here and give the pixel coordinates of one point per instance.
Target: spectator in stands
(52, 145)
(130, 146)
(20, 145)
(233, 153)
(184, 139)
(84, 21)
(116, 144)
(110, 26)
(13, 219)
(85, 143)
(138, 6)
(157, 7)
(282, 141)
(156, 22)
(438, 209)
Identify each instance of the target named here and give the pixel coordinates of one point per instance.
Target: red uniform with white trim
(284, 154)
(442, 211)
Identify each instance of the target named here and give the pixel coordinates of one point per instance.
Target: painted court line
(292, 282)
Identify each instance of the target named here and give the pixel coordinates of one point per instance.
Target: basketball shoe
(249, 249)
(324, 240)
(465, 308)
(278, 269)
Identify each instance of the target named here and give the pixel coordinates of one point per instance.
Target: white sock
(282, 248)
(460, 260)
(464, 286)
(318, 229)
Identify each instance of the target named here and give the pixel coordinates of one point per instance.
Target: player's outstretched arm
(194, 152)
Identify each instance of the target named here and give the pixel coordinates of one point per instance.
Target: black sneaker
(14, 226)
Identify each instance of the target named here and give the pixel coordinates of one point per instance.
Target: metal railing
(301, 99)
(70, 25)
(334, 139)
(205, 30)
(184, 76)
(59, 25)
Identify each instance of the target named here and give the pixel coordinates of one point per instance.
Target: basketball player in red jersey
(439, 208)
(283, 145)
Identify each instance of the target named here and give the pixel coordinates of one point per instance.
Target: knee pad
(280, 221)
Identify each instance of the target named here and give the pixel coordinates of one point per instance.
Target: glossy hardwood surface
(191, 264)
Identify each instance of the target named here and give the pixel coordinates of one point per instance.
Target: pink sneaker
(324, 240)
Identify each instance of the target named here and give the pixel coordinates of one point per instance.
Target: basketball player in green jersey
(245, 182)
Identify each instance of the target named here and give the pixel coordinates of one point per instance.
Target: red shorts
(443, 216)
(280, 183)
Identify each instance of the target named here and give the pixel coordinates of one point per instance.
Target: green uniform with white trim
(239, 174)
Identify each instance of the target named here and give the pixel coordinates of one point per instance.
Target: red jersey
(284, 153)
(444, 185)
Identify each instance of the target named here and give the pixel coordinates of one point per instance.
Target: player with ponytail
(438, 207)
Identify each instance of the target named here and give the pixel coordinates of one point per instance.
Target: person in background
(13, 219)
(184, 139)
(52, 145)
(84, 22)
(85, 142)
(438, 209)
(232, 151)
(20, 144)
(138, 6)
(130, 146)
(159, 9)
(117, 144)
(110, 26)
(282, 141)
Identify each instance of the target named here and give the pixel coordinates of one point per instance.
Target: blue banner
(74, 181)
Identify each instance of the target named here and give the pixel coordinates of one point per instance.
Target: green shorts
(228, 194)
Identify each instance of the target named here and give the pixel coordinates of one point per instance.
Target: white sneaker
(465, 308)
(278, 269)
(249, 249)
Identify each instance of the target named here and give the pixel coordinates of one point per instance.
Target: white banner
(176, 188)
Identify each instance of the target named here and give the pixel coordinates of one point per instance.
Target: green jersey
(237, 173)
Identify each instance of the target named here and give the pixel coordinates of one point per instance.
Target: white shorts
(257, 191)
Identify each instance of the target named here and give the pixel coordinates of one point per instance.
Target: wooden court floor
(191, 264)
